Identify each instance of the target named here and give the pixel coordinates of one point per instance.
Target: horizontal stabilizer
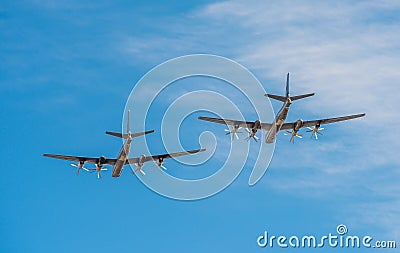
(283, 99)
(126, 135)
(141, 133)
(276, 97)
(117, 134)
(302, 96)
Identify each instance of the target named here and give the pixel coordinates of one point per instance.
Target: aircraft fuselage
(278, 122)
(122, 157)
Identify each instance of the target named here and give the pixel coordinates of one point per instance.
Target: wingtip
(49, 155)
(196, 151)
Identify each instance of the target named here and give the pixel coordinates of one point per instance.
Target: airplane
(122, 158)
(314, 126)
(102, 160)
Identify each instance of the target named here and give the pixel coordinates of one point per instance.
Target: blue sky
(67, 68)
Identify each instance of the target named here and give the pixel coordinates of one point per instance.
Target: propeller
(138, 168)
(293, 134)
(252, 134)
(160, 164)
(234, 132)
(79, 166)
(99, 169)
(315, 131)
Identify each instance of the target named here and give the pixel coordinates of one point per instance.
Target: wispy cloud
(345, 51)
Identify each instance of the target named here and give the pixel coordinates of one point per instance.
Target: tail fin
(283, 99)
(127, 123)
(126, 135)
(287, 85)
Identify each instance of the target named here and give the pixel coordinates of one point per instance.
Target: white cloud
(345, 51)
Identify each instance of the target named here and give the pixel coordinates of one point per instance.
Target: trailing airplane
(122, 158)
(314, 126)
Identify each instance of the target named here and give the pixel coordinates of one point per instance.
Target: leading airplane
(314, 126)
(122, 158)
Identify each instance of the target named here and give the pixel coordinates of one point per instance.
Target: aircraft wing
(311, 123)
(93, 160)
(247, 124)
(156, 157)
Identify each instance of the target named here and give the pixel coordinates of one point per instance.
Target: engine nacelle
(317, 126)
(141, 160)
(257, 125)
(81, 164)
(102, 160)
(160, 162)
(298, 125)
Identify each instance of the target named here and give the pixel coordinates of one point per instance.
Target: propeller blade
(133, 171)
(79, 168)
(76, 166)
(315, 132)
